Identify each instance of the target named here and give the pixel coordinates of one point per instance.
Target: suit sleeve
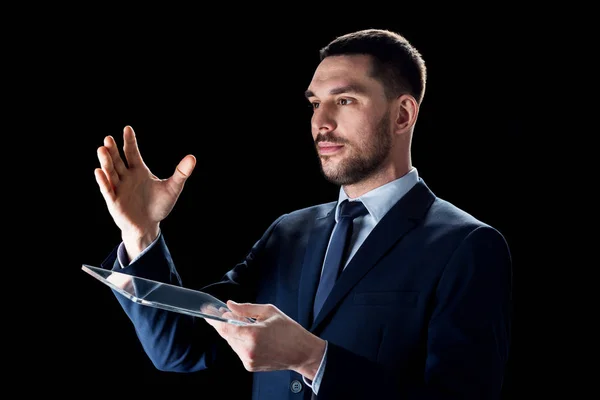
(468, 334)
(176, 342)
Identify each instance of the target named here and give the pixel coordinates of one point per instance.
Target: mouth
(328, 148)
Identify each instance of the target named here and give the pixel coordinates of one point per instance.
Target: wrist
(314, 357)
(138, 241)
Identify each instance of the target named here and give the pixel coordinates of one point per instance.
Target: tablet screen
(169, 297)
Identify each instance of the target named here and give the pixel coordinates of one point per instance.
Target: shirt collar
(380, 200)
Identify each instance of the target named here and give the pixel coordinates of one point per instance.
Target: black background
(231, 93)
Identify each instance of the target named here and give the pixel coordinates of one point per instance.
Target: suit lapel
(313, 260)
(401, 218)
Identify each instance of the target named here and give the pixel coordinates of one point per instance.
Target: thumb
(184, 169)
(246, 309)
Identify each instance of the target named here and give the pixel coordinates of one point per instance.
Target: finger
(229, 332)
(210, 310)
(183, 170)
(111, 145)
(130, 148)
(107, 164)
(104, 185)
(231, 316)
(247, 309)
(220, 327)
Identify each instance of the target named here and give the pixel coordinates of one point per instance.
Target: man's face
(351, 123)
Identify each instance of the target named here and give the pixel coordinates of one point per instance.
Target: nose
(322, 120)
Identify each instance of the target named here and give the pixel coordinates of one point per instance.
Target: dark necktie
(338, 248)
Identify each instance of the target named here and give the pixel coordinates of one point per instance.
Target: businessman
(387, 292)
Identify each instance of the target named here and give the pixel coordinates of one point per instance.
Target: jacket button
(296, 386)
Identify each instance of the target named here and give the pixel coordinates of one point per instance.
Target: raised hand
(136, 198)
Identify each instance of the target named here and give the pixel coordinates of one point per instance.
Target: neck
(376, 180)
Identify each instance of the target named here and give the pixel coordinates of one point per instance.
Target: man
(422, 306)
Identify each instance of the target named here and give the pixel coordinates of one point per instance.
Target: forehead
(341, 71)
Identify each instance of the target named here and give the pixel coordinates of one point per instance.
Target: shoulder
(314, 211)
(450, 220)
(303, 217)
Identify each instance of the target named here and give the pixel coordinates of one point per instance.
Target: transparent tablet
(165, 296)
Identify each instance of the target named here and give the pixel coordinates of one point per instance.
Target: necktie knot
(352, 209)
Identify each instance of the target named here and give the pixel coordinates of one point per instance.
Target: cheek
(358, 127)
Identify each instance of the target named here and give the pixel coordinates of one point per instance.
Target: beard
(364, 159)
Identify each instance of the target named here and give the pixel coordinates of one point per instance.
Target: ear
(406, 111)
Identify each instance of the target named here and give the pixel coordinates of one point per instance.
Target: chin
(335, 176)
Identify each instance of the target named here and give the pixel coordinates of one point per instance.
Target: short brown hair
(396, 62)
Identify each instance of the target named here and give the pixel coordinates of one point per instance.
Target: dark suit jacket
(422, 311)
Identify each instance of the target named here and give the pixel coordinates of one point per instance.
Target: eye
(344, 102)
(314, 105)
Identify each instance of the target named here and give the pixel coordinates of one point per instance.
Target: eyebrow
(353, 88)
